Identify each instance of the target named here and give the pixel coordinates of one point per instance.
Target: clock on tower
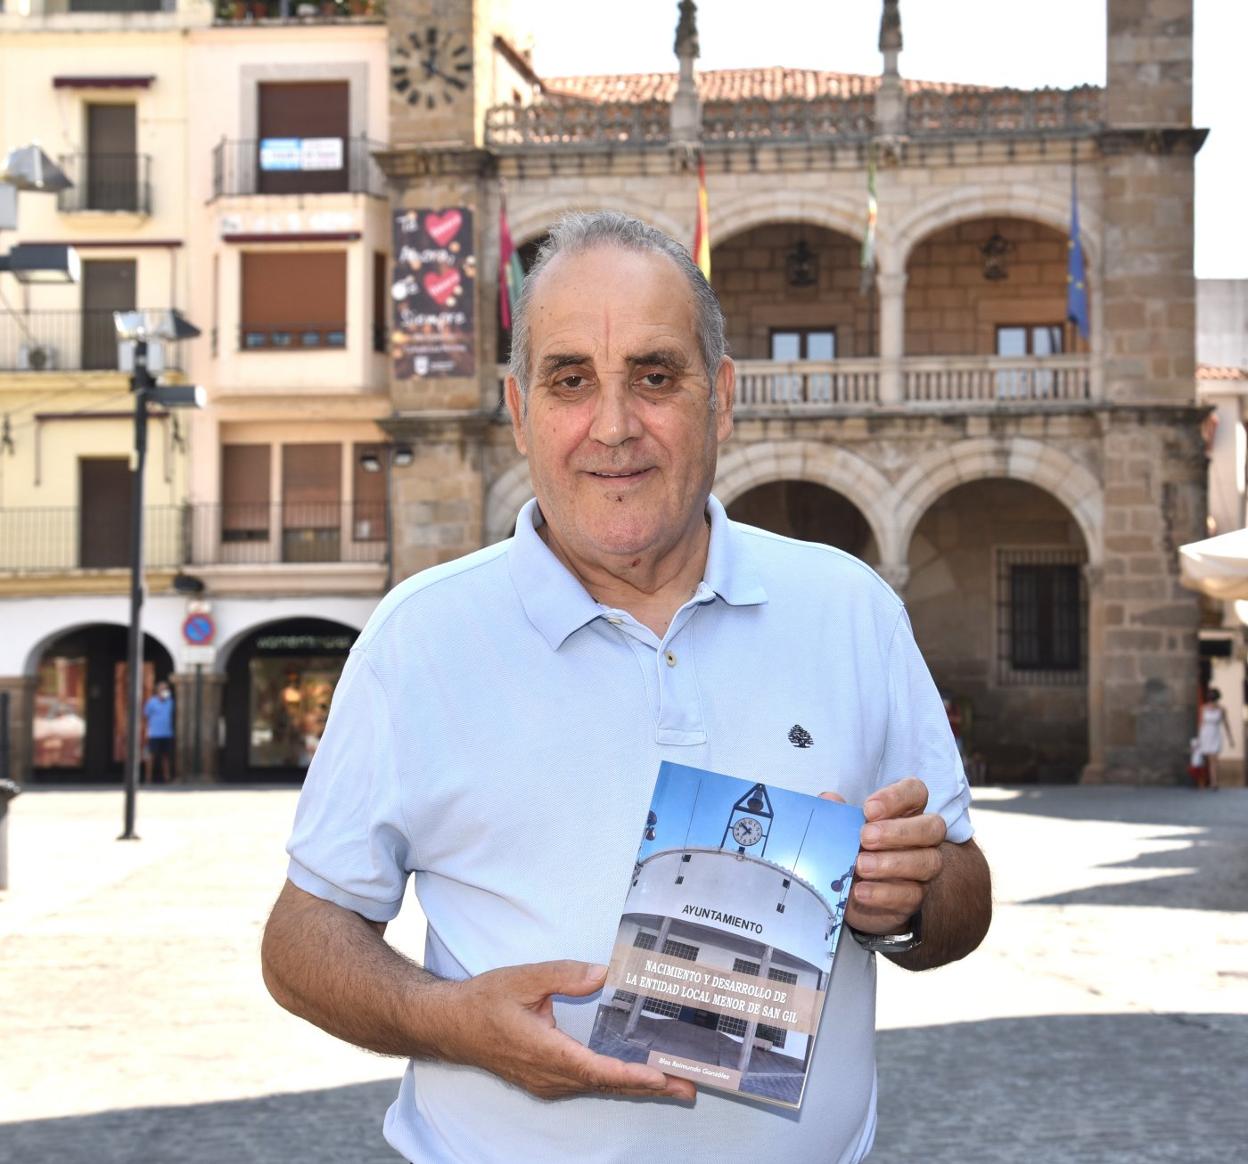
(429, 65)
(749, 822)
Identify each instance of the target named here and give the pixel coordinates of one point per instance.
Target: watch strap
(911, 938)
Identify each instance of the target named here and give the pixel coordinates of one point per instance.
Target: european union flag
(1076, 276)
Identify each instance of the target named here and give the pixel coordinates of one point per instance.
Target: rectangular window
(803, 343)
(294, 300)
(1042, 617)
(245, 504)
(381, 299)
(112, 159)
(311, 503)
(103, 512)
(368, 494)
(1022, 341)
(108, 285)
(304, 131)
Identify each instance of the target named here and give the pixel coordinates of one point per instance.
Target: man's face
(619, 431)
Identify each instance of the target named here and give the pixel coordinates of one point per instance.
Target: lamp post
(389, 456)
(142, 328)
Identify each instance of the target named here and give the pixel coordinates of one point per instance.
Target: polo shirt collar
(557, 604)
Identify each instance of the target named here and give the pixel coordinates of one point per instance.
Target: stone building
(1025, 489)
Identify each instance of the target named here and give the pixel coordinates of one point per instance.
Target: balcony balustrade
(58, 341)
(106, 182)
(956, 380)
(808, 384)
(50, 540)
(328, 165)
(990, 113)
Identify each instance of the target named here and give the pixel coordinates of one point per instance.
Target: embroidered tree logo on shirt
(799, 737)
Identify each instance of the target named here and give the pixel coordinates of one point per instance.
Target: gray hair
(579, 232)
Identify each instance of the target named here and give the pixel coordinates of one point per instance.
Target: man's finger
(836, 796)
(535, 980)
(906, 797)
(916, 832)
(903, 865)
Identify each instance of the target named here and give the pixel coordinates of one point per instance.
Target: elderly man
(500, 722)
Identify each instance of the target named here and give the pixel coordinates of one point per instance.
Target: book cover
(721, 961)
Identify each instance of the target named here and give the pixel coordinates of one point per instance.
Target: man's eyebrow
(670, 358)
(558, 361)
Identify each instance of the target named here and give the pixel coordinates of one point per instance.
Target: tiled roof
(1220, 372)
(735, 85)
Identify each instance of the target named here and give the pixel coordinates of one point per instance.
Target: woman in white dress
(1213, 723)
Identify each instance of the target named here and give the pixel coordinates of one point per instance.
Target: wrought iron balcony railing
(117, 182)
(323, 165)
(186, 536)
(290, 337)
(298, 11)
(57, 341)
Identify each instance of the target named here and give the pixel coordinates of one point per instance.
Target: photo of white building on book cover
(721, 961)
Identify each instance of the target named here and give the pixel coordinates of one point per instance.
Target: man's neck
(652, 588)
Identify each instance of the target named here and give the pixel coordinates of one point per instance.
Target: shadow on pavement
(1214, 858)
(340, 1125)
(1064, 1089)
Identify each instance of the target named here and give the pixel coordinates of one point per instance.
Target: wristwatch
(892, 943)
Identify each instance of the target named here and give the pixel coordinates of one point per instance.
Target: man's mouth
(616, 474)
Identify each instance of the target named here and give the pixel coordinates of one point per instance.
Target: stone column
(892, 291)
(21, 691)
(1094, 769)
(197, 757)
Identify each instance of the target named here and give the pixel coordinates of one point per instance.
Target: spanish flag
(702, 232)
(510, 268)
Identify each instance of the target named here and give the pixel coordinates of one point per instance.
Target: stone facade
(952, 456)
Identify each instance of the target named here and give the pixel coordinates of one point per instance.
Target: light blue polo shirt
(496, 735)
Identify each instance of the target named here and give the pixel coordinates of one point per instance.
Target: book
(721, 961)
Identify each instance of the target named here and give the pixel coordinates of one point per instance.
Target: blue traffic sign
(198, 629)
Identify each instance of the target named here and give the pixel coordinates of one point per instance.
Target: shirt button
(671, 659)
(614, 621)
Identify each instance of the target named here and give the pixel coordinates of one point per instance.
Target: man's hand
(899, 858)
(509, 1029)
(335, 969)
(904, 865)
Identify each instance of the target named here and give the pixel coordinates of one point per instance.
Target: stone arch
(731, 216)
(1047, 205)
(528, 219)
(292, 610)
(744, 466)
(506, 494)
(1019, 459)
(35, 652)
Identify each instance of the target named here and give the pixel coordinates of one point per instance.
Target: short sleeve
(919, 740)
(350, 844)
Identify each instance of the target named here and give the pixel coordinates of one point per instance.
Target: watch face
(747, 831)
(429, 66)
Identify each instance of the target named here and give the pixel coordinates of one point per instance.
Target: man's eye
(656, 379)
(572, 382)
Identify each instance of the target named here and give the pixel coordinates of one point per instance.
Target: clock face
(429, 66)
(747, 831)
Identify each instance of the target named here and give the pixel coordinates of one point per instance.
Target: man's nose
(615, 413)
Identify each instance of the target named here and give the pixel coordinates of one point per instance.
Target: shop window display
(290, 697)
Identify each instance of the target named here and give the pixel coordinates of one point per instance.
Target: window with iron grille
(660, 1006)
(1041, 617)
(735, 1026)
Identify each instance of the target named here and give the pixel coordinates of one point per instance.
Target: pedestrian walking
(1213, 723)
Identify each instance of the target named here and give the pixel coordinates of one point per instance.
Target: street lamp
(141, 328)
(390, 456)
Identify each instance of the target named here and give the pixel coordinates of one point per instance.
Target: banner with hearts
(433, 288)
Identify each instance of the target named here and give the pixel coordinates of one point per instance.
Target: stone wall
(951, 309)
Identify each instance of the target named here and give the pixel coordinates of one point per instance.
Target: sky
(993, 42)
(694, 810)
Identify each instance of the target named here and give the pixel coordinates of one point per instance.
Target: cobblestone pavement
(1104, 1019)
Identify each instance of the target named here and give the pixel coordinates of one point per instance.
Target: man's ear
(725, 390)
(515, 406)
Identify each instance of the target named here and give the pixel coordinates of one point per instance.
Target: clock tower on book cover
(749, 822)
